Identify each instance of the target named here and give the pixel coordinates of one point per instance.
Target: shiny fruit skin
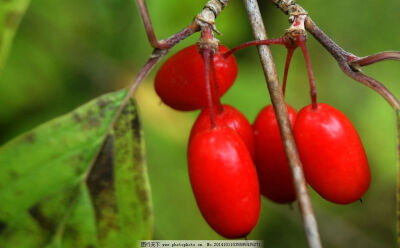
(333, 157)
(273, 170)
(229, 117)
(180, 82)
(224, 181)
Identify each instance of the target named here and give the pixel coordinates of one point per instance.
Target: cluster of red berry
(231, 161)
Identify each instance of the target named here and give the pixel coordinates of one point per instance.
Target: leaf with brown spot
(67, 184)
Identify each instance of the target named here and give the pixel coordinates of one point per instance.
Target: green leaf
(69, 184)
(11, 13)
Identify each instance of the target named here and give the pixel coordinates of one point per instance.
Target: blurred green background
(68, 52)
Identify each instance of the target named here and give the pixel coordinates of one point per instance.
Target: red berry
(180, 82)
(333, 157)
(229, 117)
(224, 181)
(273, 170)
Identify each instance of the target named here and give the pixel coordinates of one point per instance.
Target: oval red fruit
(273, 170)
(180, 82)
(224, 181)
(333, 157)
(228, 117)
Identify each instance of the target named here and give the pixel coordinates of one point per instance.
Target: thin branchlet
(374, 58)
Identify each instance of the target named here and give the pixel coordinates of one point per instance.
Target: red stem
(207, 54)
(280, 41)
(313, 91)
(289, 56)
(217, 100)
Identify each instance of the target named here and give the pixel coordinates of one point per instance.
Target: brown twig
(378, 57)
(277, 99)
(147, 23)
(169, 42)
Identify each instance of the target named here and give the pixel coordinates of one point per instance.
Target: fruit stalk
(208, 46)
(207, 55)
(289, 56)
(313, 91)
(274, 87)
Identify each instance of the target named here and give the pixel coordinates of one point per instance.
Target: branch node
(284, 4)
(207, 40)
(158, 52)
(297, 29)
(290, 7)
(296, 10)
(216, 6)
(210, 11)
(355, 66)
(211, 44)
